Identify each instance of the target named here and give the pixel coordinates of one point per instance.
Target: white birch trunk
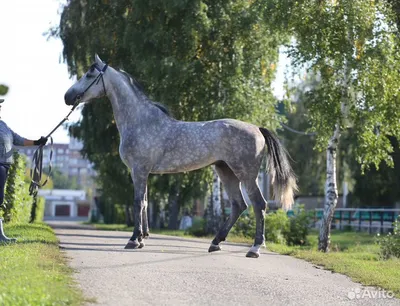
(216, 194)
(331, 191)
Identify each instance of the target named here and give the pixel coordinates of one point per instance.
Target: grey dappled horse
(151, 141)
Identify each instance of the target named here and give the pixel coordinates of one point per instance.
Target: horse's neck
(128, 108)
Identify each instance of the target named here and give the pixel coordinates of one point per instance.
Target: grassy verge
(33, 271)
(352, 253)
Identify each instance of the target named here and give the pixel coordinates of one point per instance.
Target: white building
(65, 203)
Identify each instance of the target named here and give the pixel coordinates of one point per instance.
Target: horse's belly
(168, 165)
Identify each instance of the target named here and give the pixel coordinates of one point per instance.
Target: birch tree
(352, 45)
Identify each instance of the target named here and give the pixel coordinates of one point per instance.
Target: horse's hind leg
(232, 188)
(259, 206)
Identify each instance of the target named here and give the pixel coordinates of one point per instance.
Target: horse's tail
(283, 177)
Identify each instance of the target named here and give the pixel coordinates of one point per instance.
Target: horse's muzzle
(70, 97)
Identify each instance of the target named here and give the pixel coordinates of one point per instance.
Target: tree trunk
(214, 206)
(173, 207)
(128, 215)
(331, 192)
(216, 194)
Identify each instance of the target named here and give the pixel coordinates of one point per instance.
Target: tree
(377, 187)
(308, 163)
(3, 90)
(352, 45)
(203, 59)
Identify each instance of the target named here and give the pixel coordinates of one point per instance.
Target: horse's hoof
(141, 244)
(132, 245)
(251, 254)
(214, 248)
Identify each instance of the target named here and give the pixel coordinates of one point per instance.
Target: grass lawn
(33, 271)
(354, 254)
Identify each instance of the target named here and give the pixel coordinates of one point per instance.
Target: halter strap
(96, 80)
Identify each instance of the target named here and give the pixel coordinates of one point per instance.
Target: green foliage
(377, 187)
(114, 213)
(390, 244)
(17, 199)
(3, 90)
(308, 164)
(37, 209)
(60, 180)
(246, 224)
(279, 227)
(276, 227)
(353, 47)
(198, 227)
(298, 227)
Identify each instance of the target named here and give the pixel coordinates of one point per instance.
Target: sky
(31, 65)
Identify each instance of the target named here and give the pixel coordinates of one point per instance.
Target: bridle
(96, 80)
(37, 159)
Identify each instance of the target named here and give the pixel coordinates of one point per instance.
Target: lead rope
(37, 160)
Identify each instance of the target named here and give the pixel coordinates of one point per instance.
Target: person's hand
(40, 142)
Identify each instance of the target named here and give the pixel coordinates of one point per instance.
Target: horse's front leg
(139, 178)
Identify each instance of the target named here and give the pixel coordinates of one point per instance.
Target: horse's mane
(137, 88)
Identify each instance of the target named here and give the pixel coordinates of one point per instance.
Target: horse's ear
(98, 59)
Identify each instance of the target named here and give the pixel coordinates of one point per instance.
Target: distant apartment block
(66, 158)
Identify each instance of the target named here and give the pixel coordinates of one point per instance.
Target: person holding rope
(8, 139)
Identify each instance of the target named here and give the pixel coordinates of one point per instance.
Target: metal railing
(360, 218)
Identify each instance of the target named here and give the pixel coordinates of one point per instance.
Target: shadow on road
(158, 237)
(122, 245)
(186, 255)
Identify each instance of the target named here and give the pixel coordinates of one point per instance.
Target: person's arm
(21, 141)
(40, 142)
(28, 142)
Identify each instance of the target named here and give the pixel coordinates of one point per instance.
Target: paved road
(177, 271)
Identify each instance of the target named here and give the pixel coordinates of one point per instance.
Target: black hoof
(252, 254)
(214, 248)
(132, 245)
(141, 244)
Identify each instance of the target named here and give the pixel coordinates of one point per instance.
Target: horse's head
(89, 86)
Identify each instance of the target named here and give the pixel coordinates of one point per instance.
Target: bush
(17, 200)
(245, 226)
(276, 227)
(390, 244)
(37, 212)
(198, 227)
(298, 227)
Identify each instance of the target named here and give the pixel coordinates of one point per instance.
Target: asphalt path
(179, 271)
